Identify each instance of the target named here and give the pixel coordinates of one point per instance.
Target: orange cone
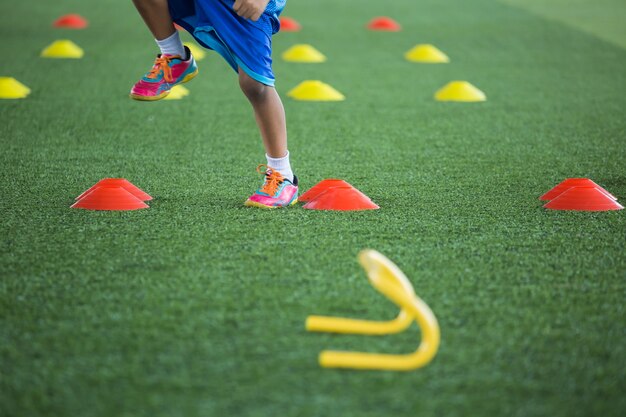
(583, 199)
(341, 199)
(109, 198)
(322, 186)
(71, 21)
(383, 23)
(287, 24)
(119, 182)
(569, 183)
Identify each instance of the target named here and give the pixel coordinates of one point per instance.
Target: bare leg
(156, 14)
(269, 113)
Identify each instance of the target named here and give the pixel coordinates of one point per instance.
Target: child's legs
(269, 113)
(156, 14)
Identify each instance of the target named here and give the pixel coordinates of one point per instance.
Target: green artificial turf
(602, 18)
(196, 306)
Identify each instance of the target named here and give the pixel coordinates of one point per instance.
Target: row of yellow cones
(462, 91)
(315, 90)
(422, 53)
(312, 90)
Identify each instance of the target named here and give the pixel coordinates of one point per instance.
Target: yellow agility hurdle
(389, 280)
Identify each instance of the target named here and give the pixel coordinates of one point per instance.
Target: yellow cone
(460, 91)
(303, 53)
(177, 92)
(197, 52)
(315, 91)
(62, 49)
(12, 88)
(427, 54)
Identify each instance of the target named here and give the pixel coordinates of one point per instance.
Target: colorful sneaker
(277, 191)
(168, 71)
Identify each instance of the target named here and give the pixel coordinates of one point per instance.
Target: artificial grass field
(196, 306)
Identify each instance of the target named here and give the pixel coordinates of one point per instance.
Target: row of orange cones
(382, 23)
(580, 194)
(121, 194)
(287, 24)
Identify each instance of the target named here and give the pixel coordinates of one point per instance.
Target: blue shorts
(243, 43)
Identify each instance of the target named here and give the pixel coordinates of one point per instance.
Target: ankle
(172, 45)
(281, 165)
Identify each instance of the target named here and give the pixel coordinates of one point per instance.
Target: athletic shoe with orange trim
(277, 191)
(168, 71)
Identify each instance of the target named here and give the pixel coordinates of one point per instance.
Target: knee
(253, 89)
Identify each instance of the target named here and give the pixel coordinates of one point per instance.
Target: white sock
(172, 45)
(281, 165)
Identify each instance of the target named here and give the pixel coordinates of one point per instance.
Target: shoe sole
(164, 94)
(249, 203)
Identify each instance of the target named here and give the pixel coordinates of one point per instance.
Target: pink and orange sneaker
(168, 71)
(277, 191)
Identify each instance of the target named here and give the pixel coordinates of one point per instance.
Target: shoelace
(162, 64)
(273, 179)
